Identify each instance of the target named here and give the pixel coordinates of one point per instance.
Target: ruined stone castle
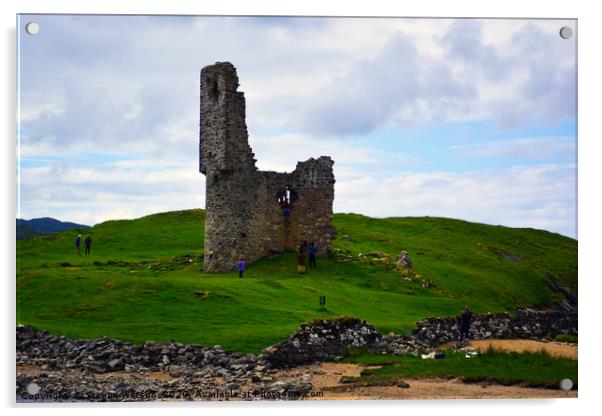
(246, 211)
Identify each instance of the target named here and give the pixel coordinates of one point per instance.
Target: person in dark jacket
(465, 319)
(313, 251)
(78, 242)
(241, 267)
(88, 242)
(281, 196)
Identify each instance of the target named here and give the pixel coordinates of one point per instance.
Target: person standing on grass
(88, 242)
(301, 259)
(313, 251)
(465, 319)
(78, 242)
(241, 267)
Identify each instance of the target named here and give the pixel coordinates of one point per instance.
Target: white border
(590, 208)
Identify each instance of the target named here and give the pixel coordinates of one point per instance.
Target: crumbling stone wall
(525, 324)
(243, 215)
(320, 340)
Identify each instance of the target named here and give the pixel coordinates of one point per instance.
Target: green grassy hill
(144, 279)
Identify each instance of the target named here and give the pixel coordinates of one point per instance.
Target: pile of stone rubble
(320, 340)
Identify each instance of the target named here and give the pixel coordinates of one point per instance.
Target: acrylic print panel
(295, 208)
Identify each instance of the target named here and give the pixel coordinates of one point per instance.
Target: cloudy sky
(471, 119)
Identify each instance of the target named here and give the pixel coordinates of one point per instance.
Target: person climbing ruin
(301, 259)
(465, 319)
(287, 212)
(240, 266)
(88, 243)
(78, 242)
(284, 203)
(313, 251)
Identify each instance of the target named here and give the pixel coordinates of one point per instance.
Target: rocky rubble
(112, 370)
(399, 345)
(52, 352)
(320, 340)
(72, 386)
(525, 324)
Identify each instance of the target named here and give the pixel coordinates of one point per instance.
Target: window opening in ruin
(286, 197)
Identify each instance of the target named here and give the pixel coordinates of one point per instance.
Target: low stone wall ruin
(319, 340)
(324, 340)
(525, 324)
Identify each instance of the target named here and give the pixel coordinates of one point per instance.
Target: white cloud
(95, 85)
(528, 196)
(92, 195)
(525, 148)
(282, 153)
(109, 85)
(525, 78)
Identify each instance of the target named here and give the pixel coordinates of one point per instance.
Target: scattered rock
(403, 261)
(506, 255)
(116, 364)
(40, 348)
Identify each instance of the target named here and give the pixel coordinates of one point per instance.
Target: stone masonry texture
(243, 215)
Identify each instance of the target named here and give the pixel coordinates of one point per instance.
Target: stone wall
(525, 324)
(243, 216)
(320, 340)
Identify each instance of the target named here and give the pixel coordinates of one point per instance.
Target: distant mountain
(36, 226)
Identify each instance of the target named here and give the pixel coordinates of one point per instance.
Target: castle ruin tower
(243, 217)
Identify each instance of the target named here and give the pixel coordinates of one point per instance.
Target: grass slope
(141, 279)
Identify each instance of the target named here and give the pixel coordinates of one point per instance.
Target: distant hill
(37, 226)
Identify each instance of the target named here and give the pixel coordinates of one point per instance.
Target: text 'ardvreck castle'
(252, 213)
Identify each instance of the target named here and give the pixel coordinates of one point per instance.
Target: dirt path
(326, 378)
(559, 349)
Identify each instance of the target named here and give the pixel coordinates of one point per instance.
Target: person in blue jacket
(78, 242)
(240, 266)
(313, 251)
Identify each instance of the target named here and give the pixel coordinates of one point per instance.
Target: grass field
(144, 279)
(536, 369)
